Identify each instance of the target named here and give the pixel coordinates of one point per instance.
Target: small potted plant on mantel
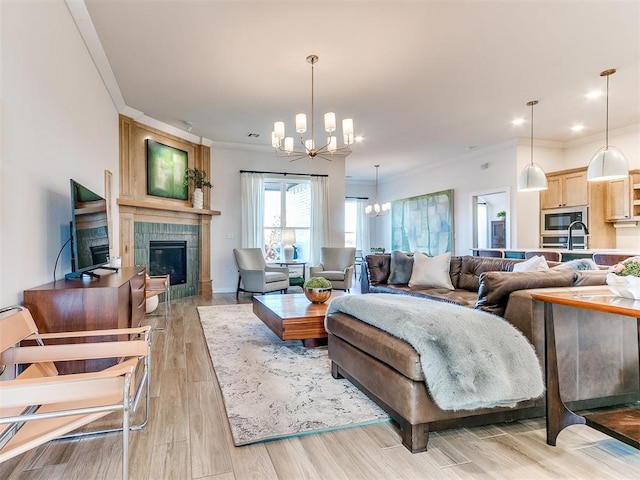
(197, 178)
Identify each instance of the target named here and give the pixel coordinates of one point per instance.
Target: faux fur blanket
(471, 359)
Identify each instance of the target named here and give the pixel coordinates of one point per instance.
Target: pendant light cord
(606, 141)
(531, 104)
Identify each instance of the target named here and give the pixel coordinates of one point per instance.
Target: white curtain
(319, 218)
(362, 227)
(252, 208)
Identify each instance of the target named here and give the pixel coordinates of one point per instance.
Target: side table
(624, 424)
(296, 280)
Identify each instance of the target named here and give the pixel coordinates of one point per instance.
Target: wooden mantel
(135, 205)
(161, 206)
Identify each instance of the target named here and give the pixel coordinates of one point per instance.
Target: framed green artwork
(423, 223)
(165, 171)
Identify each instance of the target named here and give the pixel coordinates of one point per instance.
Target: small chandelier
(284, 146)
(532, 178)
(608, 163)
(376, 209)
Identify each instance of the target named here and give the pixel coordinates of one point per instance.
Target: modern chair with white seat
(337, 266)
(256, 276)
(39, 405)
(156, 285)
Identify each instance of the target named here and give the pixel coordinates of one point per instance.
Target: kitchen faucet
(571, 225)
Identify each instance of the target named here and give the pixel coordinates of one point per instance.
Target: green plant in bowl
(317, 289)
(317, 282)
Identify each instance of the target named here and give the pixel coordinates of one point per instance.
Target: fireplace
(169, 257)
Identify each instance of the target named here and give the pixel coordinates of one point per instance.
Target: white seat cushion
(271, 277)
(332, 274)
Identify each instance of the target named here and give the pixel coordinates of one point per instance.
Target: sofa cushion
(590, 278)
(431, 271)
(394, 352)
(472, 267)
(379, 268)
(401, 268)
(495, 287)
(459, 297)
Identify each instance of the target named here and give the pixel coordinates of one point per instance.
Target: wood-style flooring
(188, 437)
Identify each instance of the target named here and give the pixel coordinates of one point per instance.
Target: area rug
(274, 389)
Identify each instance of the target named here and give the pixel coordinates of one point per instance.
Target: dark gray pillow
(401, 268)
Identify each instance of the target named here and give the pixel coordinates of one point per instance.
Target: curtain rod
(286, 173)
(357, 198)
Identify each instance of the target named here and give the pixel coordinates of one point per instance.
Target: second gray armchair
(256, 276)
(336, 265)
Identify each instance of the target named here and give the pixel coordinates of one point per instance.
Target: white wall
(504, 163)
(466, 175)
(58, 122)
(226, 164)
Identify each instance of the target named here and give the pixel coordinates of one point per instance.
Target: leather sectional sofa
(388, 369)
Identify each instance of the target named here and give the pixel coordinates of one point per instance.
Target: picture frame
(165, 171)
(423, 223)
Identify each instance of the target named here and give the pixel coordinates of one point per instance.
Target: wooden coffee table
(293, 317)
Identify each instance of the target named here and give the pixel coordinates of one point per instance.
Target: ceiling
(425, 81)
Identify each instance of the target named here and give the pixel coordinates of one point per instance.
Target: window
(350, 222)
(287, 210)
(356, 225)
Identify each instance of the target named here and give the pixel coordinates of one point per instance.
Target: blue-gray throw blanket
(471, 359)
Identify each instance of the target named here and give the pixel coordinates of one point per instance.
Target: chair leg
(238, 287)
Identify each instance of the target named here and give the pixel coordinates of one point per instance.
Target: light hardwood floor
(188, 437)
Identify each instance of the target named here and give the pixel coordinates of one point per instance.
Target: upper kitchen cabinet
(622, 198)
(566, 189)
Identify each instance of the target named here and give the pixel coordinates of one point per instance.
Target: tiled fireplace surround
(145, 232)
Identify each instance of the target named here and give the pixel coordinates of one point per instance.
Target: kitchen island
(566, 253)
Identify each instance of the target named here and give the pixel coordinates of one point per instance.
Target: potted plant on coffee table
(197, 179)
(317, 289)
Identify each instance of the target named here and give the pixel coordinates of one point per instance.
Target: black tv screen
(89, 230)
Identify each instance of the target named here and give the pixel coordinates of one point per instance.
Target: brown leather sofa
(388, 369)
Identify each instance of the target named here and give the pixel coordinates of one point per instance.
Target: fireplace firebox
(169, 257)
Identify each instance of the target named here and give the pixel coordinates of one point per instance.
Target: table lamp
(288, 239)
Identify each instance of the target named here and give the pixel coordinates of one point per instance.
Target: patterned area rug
(274, 389)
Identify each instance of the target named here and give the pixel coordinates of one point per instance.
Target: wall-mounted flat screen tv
(89, 231)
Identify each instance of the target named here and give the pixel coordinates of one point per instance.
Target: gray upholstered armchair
(336, 265)
(256, 276)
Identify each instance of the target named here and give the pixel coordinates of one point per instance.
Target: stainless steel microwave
(556, 221)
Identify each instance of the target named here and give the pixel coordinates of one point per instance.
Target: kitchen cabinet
(565, 189)
(622, 198)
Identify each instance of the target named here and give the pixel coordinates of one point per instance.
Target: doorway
(491, 219)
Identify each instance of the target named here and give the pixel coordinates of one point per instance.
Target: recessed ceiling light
(594, 94)
(577, 128)
(518, 121)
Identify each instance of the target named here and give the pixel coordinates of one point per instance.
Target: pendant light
(375, 209)
(608, 163)
(532, 178)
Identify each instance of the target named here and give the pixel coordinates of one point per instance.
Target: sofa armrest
(315, 270)
(495, 287)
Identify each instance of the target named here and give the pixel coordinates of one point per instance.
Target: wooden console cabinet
(115, 300)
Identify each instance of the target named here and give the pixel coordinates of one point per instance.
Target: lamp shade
(288, 236)
(607, 164)
(532, 179)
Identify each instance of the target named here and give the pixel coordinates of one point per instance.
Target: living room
(60, 121)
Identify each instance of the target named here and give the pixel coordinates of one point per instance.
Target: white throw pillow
(431, 271)
(534, 264)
